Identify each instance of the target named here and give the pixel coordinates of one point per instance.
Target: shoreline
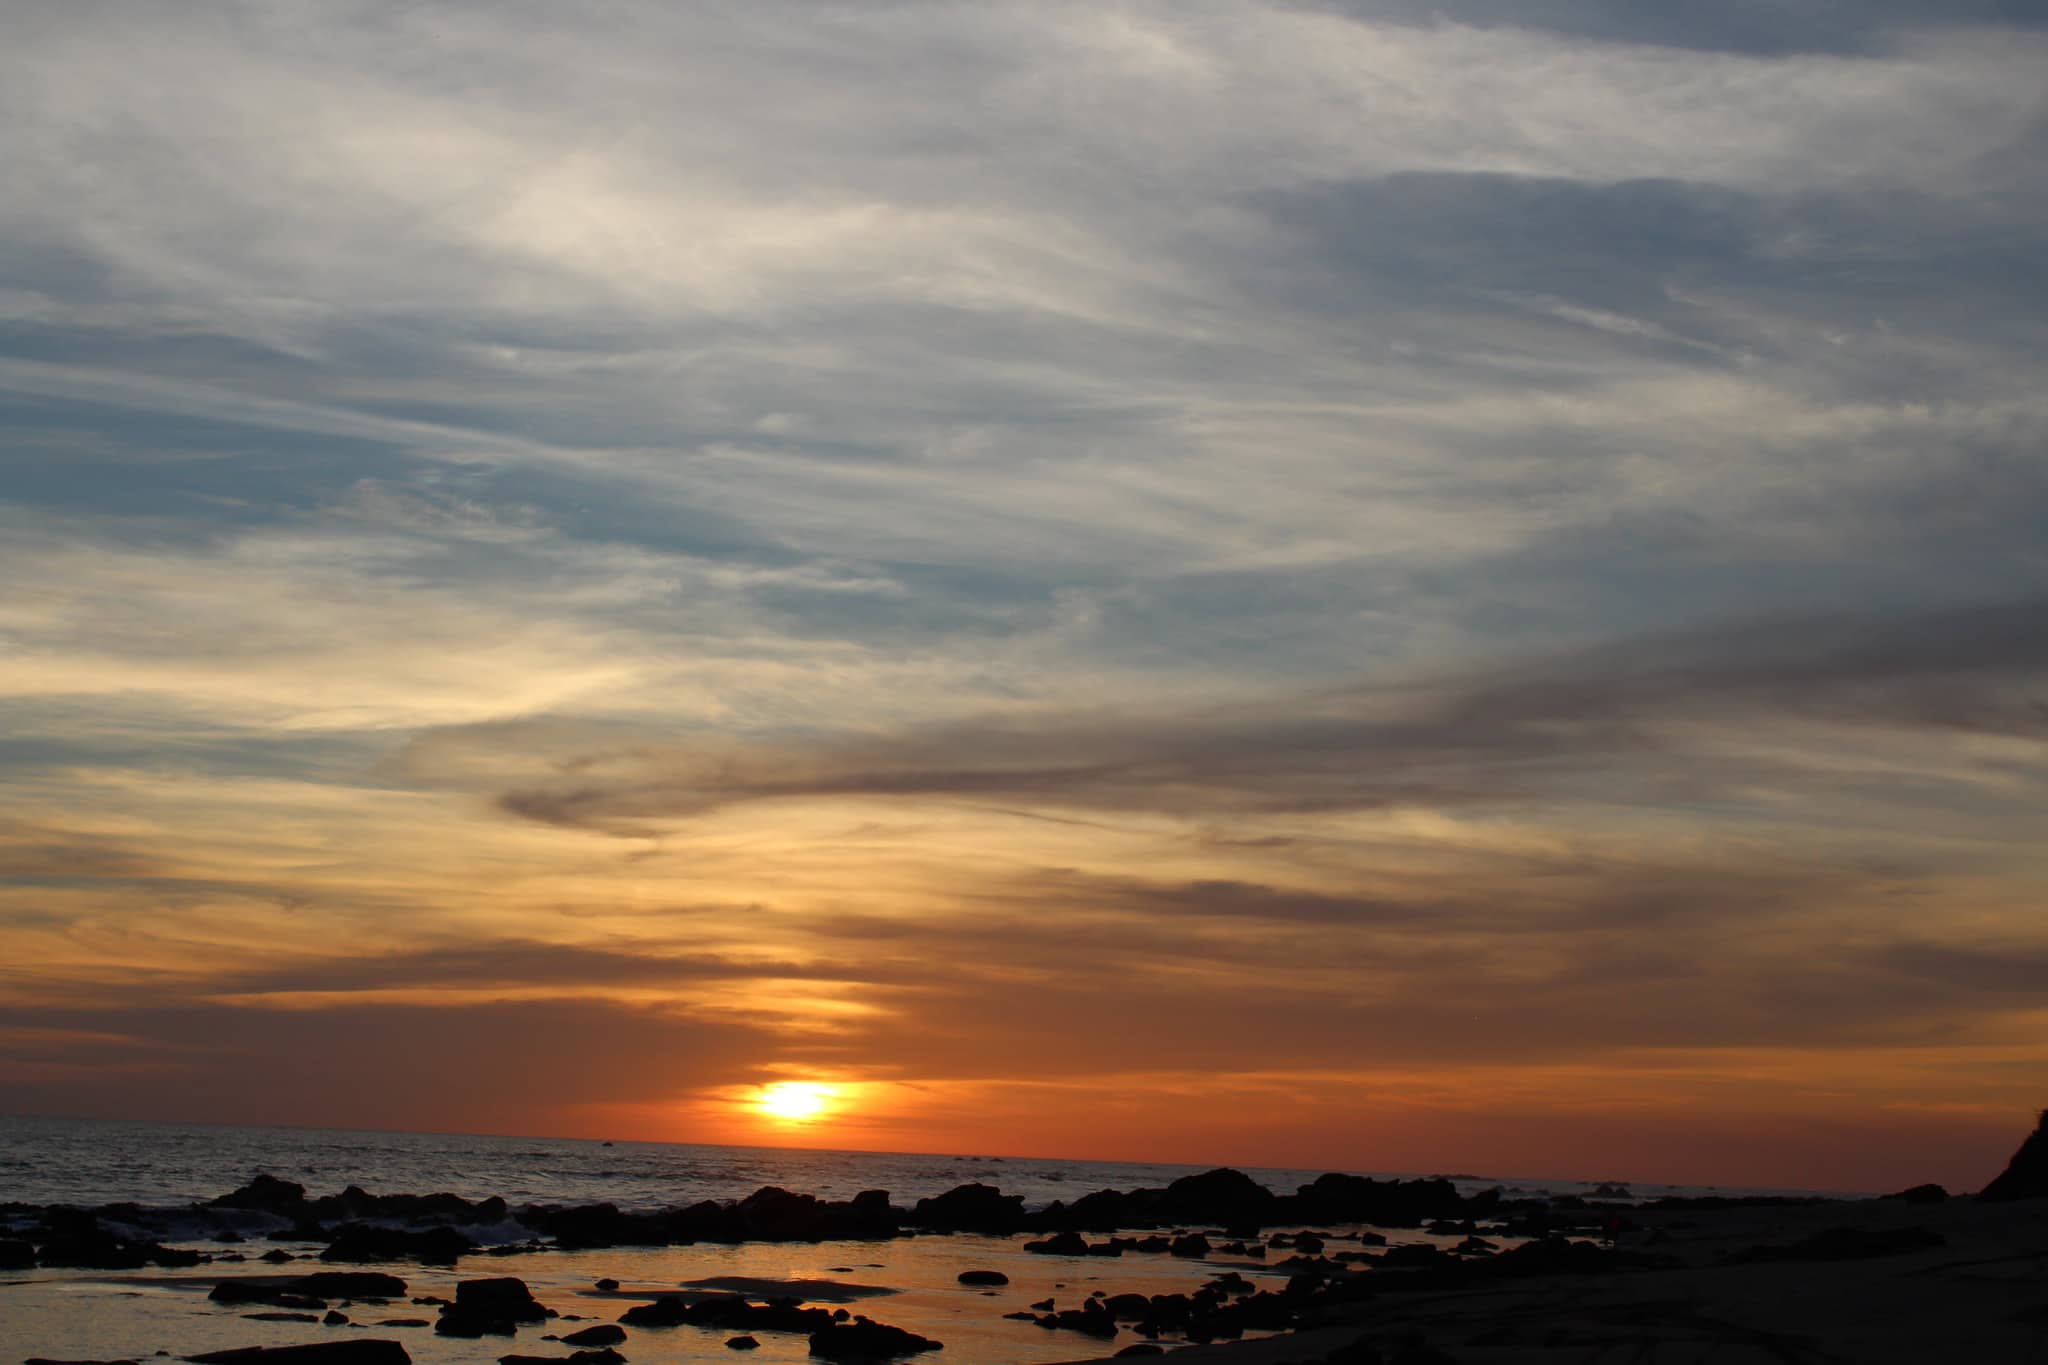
(1191, 1267)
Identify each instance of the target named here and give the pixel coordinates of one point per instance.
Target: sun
(796, 1101)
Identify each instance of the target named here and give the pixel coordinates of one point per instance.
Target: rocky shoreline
(1311, 1278)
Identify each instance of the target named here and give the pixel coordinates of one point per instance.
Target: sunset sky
(1398, 585)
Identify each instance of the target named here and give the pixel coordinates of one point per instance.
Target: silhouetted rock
(604, 1334)
(16, 1255)
(2026, 1175)
(353, 1351)
(1194, 1244)
(367, 1242)
(1337, 1198)
(1059, 1244)
(1920, 1194)
(734, 1312)
(1219, 1196)
(971, 1208)
(983, 1277)
(742, 1344)
(861, 1340)
(267, 1194)
(1845, 1244)
(493, 1307)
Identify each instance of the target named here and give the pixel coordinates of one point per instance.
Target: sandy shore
(1980, 1296)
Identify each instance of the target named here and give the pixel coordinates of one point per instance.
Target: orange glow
(796, 1101)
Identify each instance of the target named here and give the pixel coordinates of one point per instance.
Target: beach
(1210, 1265)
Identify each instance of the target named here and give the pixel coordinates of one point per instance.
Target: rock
(604, 1334)
(863, 1340)
(1142, 1348)
(16, 1255)
(2026, 1175)
(348, 1284)
(493, 1307)
(276, 1291)
(1060, 1244)
(405, 1322)
(269, 1195)
(1043, 1305)
(1920, 1194)
(1194, 1244)
(971, 1208)
(280, 1317)
(366, 1242)
(354, 1351)
(603, 1355)
(983, 1277)
(277, 1256)
(1219, 1196)
(1845, 1244)
(742, 1344)
(1308, 1244)
(607, 1285)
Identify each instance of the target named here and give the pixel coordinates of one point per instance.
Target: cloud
(1513, 732)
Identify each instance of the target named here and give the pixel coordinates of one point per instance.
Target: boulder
(863, 1340)
(1920, 1194)
(267, 1194)
(971, 1208)
(2026, 1175)
(1219, 1196)
(368, 1242)
(354, 1351)
(16, 1255)
(604, 1334)
(982, 1277)
(1059, 1244)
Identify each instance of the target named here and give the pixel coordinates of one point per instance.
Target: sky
(1397, 585)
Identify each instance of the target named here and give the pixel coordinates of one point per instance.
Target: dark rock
(335, 1318)
(604, 1334)
(1060, 1244)
(1337, 1198)
(607, 1285)
(493, 1307)
(348, 1284)
(731, 1311)
(1194, 1244)
(1920, 1194)
(971, 1208)
(982, 1277)
(280, 1317)
(1219, 1196)
(367, 1242)
(2026, 1175)
(1142, 1348)
(268, 1194)
(405, 1322)
(863, 1340)
(274, 1290)
(16, 1255)
(603, 1355)
(277, 1256)
(742, 1344)
(1845, 1244)
(353, 1351)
